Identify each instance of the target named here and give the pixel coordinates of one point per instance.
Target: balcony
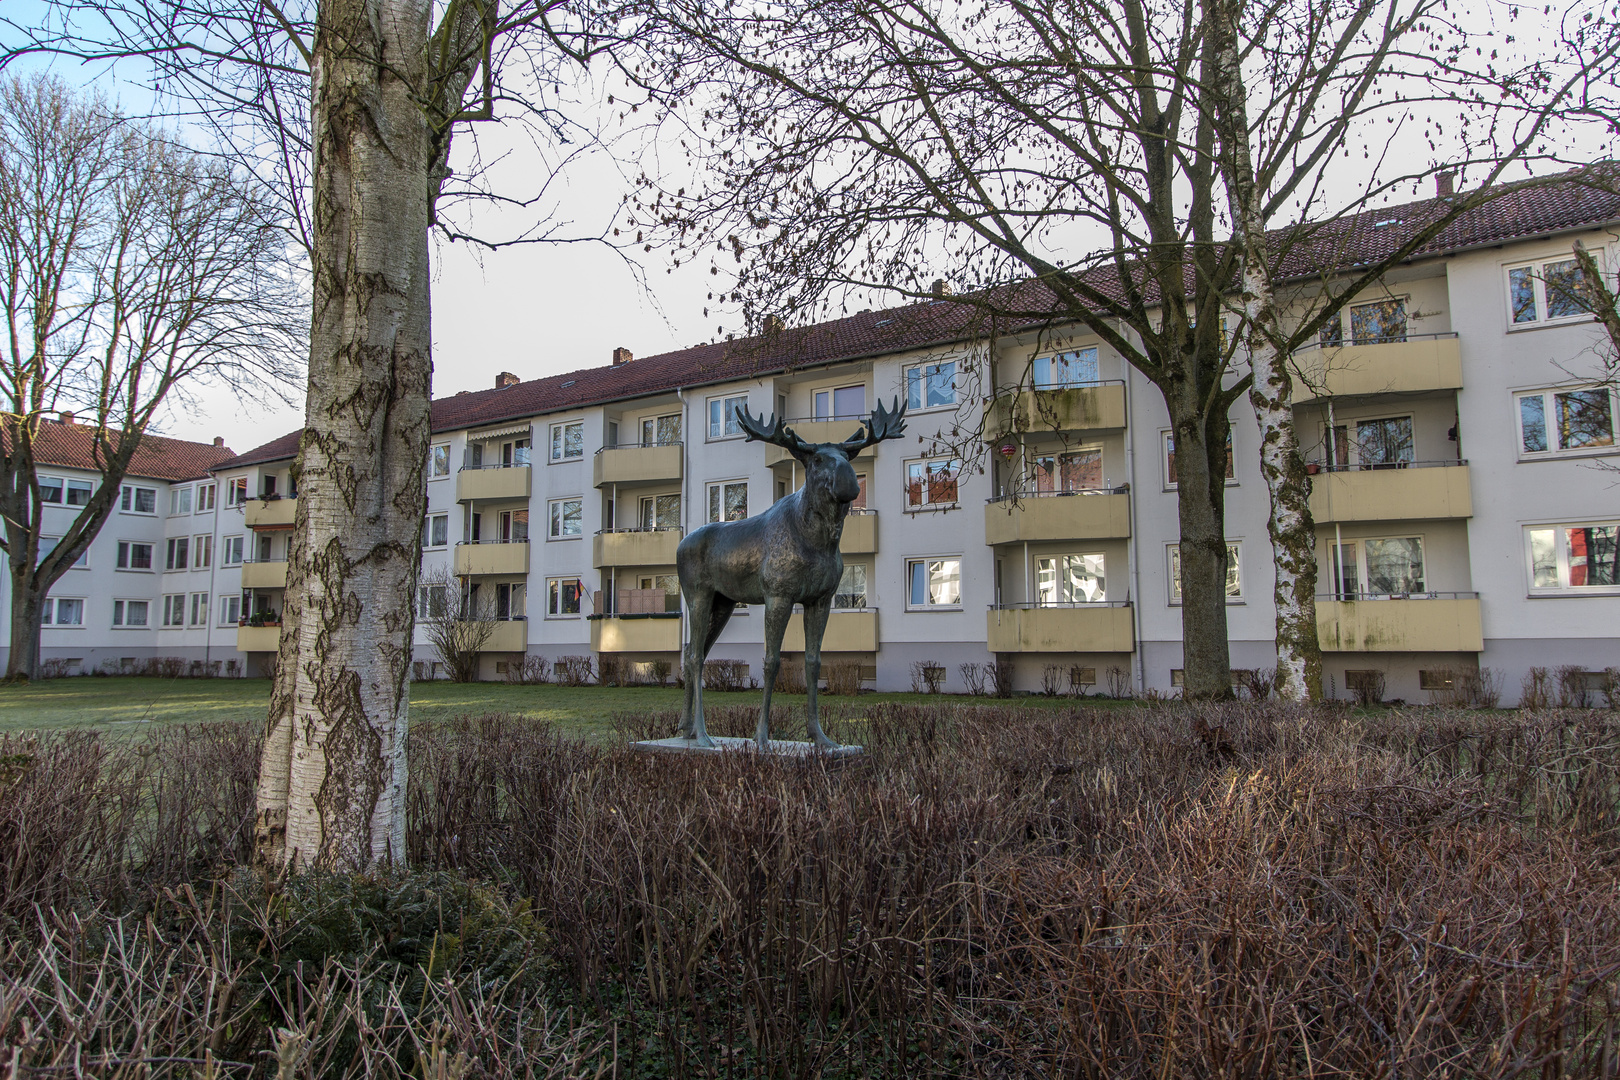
(270, 514)
(1060, 628)
(1076, 408)
(635, 634)
(634, 547)
(850, 630)
(1420, 363)
(1098, 514)
(492, 557)
(1435, 622)
(264, 575)
(480, 482)
(818, 431)
(507, 635)
(860, 533)
(637, 463)
(258, 638)
(1417, 490)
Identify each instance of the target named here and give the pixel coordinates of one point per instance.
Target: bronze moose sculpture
(788, 555)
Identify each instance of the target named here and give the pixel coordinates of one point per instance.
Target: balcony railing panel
(1432, 622)
(630, 634)
(264, 575)
(848, 630)
(1405, 491)
(1060, 628)
(492, 557)
(1421, 362)
(636, 463)
(1097, 407)
(634, 547)
(860, 533)
(258, 638)
(1063, 515)
(270, 513)
(488, 482)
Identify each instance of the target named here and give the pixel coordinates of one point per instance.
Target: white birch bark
(332, 783)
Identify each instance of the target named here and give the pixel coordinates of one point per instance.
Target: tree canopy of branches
(131, 271)
(867, 146)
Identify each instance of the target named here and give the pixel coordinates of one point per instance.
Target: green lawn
(123, 704)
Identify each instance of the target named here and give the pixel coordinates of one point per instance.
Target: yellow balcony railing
(258, 638)
(860, 533)
(636, 464)
(506, 635)
(1435, 622)
(1060, 628)
(264, 575)
(271, 514)
(492, 558)
(1075, 408)
(635, 547)
(1416, 491)
(851, 630)
(494, 482)
(616, 634)
(1420, 363)
(1086, 515)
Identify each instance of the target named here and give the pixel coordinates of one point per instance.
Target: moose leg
(709, 614)
(777, 612)
(815, 625)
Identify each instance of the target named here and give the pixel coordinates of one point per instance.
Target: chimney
(1445, 184)
(941, 287)
(621, 355)
(774, 324)
(505, 379)
(66, 418)
(219, 440)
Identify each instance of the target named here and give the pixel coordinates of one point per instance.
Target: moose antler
(883, 424)
(777, 433)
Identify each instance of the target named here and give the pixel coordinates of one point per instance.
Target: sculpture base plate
(730, 745)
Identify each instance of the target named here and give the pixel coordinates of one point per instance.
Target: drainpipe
(1132, 563)
(1337, 554)
(213, 597)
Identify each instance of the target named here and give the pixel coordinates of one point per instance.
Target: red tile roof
(1580, 199)
(72, 446)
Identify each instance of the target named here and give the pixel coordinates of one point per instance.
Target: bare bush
(164, 667)
(614, 670)
(1611, 687)
(973, 678)
(789, 677)
(57, 668)
(927, 677)
(531, 670)
(1571, 686)
(659, 671)
(1081, 679)
(1368, 687)
(1258, 683)
(842, 677)
(574, 670)
(1051, 680)
(999, 674)
(1119, 682)
(725, 675)
(1467, 688)
(1535, 691)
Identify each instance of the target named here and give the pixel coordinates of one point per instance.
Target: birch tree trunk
(332, 782)
(1293, 533)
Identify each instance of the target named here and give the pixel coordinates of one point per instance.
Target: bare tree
(389, 83)
(458, 623)
(130, 270)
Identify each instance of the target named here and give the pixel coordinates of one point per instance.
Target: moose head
(828, 475)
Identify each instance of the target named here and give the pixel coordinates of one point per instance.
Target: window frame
(236, 491)
(831, 391)
(708, 499)
(206, 493)
(225, 604)
(923, 406)
(1561, 555)
(1551, 429)
(122, 606)
(913, 560)
(554, 593)
(866, 588)
(553, 521)
(226, 542)
(427, 531)
(57, 484)
(127, 547)
(553, 456)
(928, 505)
(198, 605)
(1538, 278)
(202, 551)
(53, 606)
(129, 500)
(181, 501)
(182, 545)
(725, 419)
(680, 425)
(1035, 585)
(1166, 456)
(68, 488)
(1327, 574)
(433, 460)
(1172, 571)
(1051, 358)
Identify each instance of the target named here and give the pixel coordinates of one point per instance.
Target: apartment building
(1457, 437)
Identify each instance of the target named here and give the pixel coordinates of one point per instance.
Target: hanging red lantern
(1008, 450)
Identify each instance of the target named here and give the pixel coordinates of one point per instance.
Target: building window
(723, 419)
(1379, 569)
(661, 512)
(1575, 559)
(436, 531)
(1546, 292)
(1384, 443)
(511, 601)
(931, 386)
(179, 550)
(432, 601)
(661, 430)
(933, 583)
(50, 490)
(1234, 577)
(202, 548)
(236, 492)
(438, 461)
(1378, 322)
(134, 556)
(567, 518)
(932, 485)
(78, 492)
(179, 500)
(728, 501)
(1070, 579)
(230, 610)
(205, 498)
(840, 403)
(47, 544)
(568, 441)
(851, 594)
(562, 597)
(1170, 458)
(62, 611)
(1565, 421)
(138, 500)
(199, 609)
(174, 610)
(1078, 470)
(1077, 368)
(231, 551)
(130, 613)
